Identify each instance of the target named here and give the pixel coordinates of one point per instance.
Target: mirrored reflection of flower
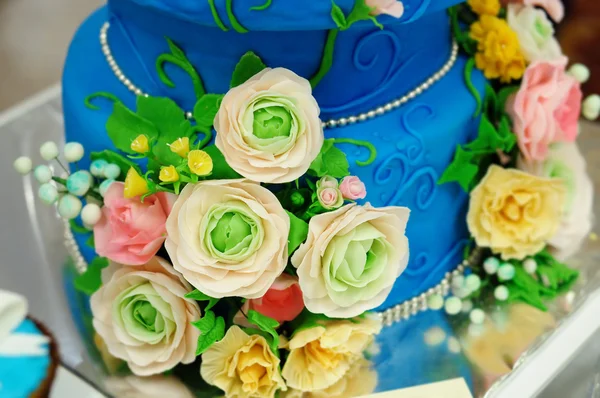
(147, 387)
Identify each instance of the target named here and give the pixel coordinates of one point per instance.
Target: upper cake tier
(278, 16)
(353, 70)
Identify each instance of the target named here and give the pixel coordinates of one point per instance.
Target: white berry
(73, 152)
(501, 293)
(477, 316)
(473, 282)
(49, 150)
(453, 305)
(467, 306)
(506, 272)
(434, 336)
(591, 107)
(490, 265)
(580, 72)
(112, 171)
(91, 214)
(23, 165)
(530, 265)
(69, 207)
(435, 302)
(42, 174)
(48, 193)
(453, 345)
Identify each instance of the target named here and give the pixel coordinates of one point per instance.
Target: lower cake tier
(414, 145)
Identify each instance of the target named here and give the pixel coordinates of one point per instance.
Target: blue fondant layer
(415, 143)
(281, 15)
(21, 376)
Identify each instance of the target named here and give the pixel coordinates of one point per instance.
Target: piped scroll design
(404, 168)
(364, 64)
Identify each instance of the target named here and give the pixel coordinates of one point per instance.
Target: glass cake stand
(519, 353)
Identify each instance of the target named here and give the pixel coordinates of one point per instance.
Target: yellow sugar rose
(242, 366)
(515, 213)
(485, 7)
(321, 356)
(499, 54)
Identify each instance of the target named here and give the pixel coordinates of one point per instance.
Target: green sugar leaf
(330, 161)
(206, 109)
(298, 232)
(250, 64)
(338, 16)
(199, 296)
(175, 50)
(124, 126)
(91, 280)
(212, 329)
(113, 157)
(164, 113)
(507, 138)
(488, 140)
(221, 169)
(462, 170)
(268, 325)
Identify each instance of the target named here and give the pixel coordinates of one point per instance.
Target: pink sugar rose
(546, 108)
(353, 188)
(282, 302)
(131, 232)
(554, 8)
(395, 8)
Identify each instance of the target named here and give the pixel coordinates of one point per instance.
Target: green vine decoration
(471, 87)
(361, 143)
(326, 59)
(215, 14)
(360, 12)
(101, 94)
(208, 135)
(262, 7)
(178, 57)
(233, 20)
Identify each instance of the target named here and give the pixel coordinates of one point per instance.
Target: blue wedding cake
(256, 189)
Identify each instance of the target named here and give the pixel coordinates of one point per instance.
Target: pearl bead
(112, 171)
(362, 117)
(91, 214)
(501, 293)
(23, 165)
(591, 107)
(473, 282)
(42, 174)
(580, 72)
(79, 182)
(48, 193)
(342, 122)
(97, 167)
(352, 119)
(73, 152)
(104, 186)
(49, 151)
(69, 207)
(453, 305)
(490, 265)
(435, 302)
(506, 272)
(371, 114)
(477, 316)
(530, 265)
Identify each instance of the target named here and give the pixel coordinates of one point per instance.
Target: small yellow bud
(168, 174)
(135, 184)
(181, 146)
(140, 144)
(200, 162)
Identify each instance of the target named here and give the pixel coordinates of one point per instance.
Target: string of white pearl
(379, 111)
(424, 301)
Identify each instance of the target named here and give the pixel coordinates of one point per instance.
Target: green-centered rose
(231, 231)
(351, 259)
(143, 317)
(228, 237)
(268, 128)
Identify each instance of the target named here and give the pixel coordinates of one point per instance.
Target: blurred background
(34, 35)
